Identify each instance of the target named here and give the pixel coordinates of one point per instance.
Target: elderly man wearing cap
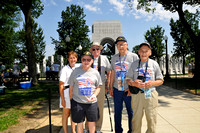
(118, 87)
(102, 65)
(144, 75)
(84, 87)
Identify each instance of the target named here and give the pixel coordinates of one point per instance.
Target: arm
(150, 83)
(112, 79)
(70, 92)
(61, 89)
(107, 82)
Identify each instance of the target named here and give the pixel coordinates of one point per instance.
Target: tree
(154, 37)
(135, 49)
(177, 6)
(39, 44)
(31, 9)
(10, 17)
(74, 26)
(182, 41)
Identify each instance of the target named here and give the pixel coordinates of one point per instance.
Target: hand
(139, 83)
(129, 93)
(148, 84)
(92, 98)
(106, 89)
(63, 103)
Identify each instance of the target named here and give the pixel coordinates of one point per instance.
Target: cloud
(118, 6)
(159, 13)
(190, 8)
(53, 2)
(97, 1)
(91, 8)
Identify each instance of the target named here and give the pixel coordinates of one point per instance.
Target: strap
(99, 64)
(145, 69)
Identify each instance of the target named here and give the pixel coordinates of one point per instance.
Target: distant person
(2, 79)
(48, 73)
(190, 69)
(84, 88)
(15, 73)
(55, 70)
(2, 67)
(64, 90)
(120, 64)
(143, 76)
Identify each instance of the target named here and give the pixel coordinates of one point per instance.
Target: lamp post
(67, 39)
(80, 47)
(167, 67)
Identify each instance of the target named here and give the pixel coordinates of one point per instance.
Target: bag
(133, 89)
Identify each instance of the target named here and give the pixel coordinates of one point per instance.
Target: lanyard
(142, 69)
(123, 60)
(121, 73)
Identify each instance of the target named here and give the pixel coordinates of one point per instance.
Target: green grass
(12, 103)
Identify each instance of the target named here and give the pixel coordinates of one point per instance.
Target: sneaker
(85, 131)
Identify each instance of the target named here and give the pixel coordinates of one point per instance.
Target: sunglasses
(88, 60)
(95, 49)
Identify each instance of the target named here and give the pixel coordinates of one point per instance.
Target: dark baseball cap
(120, 38)
(145, 43)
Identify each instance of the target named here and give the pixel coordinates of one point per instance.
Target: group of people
(53, 71)
(10, 74)
(128, 79)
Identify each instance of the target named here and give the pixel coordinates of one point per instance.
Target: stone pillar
(51, 60)
(44, 63)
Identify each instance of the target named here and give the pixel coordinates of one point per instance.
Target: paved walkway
(178, 112)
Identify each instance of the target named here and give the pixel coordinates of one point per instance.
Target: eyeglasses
(122, 44)
(84, 60)
(95, 49)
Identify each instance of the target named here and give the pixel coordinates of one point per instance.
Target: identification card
(120, 87)
(147, 93)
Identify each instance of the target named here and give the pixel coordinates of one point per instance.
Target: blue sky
(134, 22)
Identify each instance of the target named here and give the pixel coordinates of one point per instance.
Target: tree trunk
(183, 70)
(195, 40)
(26, 8)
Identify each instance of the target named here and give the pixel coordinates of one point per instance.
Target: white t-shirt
(64, 77)
(65, 74)
(105, 66)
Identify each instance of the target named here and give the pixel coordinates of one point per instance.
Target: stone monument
(105, 32)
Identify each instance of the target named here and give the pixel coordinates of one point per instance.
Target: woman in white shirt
(64, 90)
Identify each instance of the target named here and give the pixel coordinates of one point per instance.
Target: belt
(66, 87)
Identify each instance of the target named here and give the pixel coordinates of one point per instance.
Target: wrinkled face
(86, 61)
(72, 60)
(144, 53)
(122, 46)
(95, 50)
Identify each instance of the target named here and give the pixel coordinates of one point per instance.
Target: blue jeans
(119, 97)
